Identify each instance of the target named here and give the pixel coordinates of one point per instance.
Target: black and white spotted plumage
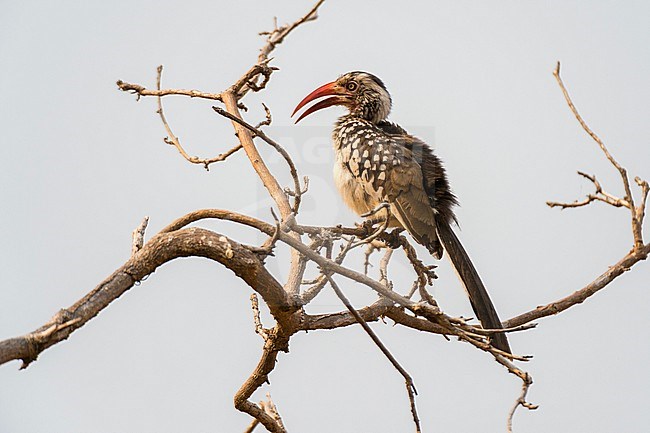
(378, 161)
(374, 167)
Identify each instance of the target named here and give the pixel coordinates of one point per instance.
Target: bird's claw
(366, 226)
(392, 239)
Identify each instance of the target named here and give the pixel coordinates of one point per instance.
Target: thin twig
(259, 133)
(579, 296)
(250, 80)
(313, 291)
(142, 91)
(267, 121)
(277, 36)
(370, 248)
(636, 224)
(599, 195)
(173, 140)
(277, 341)
(521, 401)
(410, 386)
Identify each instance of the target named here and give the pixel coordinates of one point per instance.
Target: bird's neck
(350, 126)
(371, 111)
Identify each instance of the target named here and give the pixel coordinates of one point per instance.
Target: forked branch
(639, 251)
(637, 213)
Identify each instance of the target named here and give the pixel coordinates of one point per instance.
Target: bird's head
(360, 92)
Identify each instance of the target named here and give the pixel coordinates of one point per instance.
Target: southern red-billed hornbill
(379, 162)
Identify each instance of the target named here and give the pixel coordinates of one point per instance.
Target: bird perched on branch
(378, 162)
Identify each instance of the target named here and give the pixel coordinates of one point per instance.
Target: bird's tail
(478, 296)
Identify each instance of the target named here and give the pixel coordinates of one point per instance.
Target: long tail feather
(478, 295)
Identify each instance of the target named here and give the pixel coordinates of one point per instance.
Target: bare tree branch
(288, 302)
(599, 195)
(278, 340)
(160, 249)
(142, 91)
(521, 401)
(410, 385)
(636, 222)
(639, 251)
(297, 192)
(173, 140)
(622, 266)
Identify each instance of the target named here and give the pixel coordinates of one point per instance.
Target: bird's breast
(361, 161)
(352, 191)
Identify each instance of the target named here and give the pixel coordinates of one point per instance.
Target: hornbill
(377, 162)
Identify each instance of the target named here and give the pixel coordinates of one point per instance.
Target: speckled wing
(384, 168)
(402, 186)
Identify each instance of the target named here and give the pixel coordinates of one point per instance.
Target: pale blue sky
(82, 163)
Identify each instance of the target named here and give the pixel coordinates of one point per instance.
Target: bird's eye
(351, 86)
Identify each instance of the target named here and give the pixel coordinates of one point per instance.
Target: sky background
(82, 163)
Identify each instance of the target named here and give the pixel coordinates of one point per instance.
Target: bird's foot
(393, 239)
(367, 226)
(379, 207)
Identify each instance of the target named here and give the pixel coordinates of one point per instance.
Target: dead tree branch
(639, 251)
(324, 254)
(579, 296)
(410, 385)
(521, 401)
(628, 200)
(161, 249)
(297, 191)
(142, 91)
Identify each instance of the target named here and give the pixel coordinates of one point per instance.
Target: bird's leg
(381, 206)
(373, 218)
